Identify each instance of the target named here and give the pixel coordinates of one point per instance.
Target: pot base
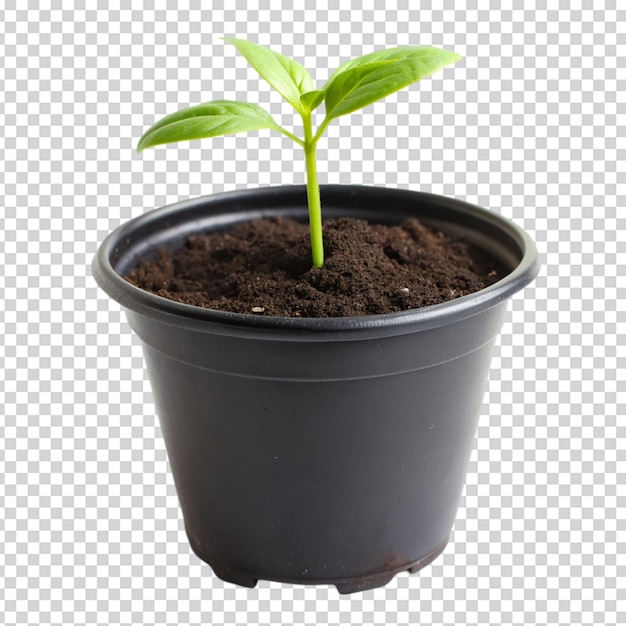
(343, 585)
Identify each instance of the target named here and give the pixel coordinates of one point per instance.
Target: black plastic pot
(317, 450)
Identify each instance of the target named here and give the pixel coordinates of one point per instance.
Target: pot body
(317, 451)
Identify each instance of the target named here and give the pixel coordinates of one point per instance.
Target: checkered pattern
(529, 124)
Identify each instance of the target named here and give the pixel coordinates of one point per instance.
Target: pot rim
(176, 313)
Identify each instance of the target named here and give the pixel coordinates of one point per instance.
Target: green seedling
(354, 85)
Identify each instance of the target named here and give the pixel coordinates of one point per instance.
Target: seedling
(354, 85)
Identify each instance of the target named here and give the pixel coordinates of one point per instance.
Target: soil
(263, 267)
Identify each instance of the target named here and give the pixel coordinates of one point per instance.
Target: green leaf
(212, 119)
(287, 76)
(312, 99)
(369, 78)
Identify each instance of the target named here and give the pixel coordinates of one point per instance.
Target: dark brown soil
(263, 267)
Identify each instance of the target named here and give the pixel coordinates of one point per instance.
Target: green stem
(321, 129)
(313, 192)
(291, 136)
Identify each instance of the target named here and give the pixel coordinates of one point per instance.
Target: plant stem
(313, 192)
(321, 129)
(291, 136)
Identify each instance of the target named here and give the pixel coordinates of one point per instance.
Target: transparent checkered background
(528, 124)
